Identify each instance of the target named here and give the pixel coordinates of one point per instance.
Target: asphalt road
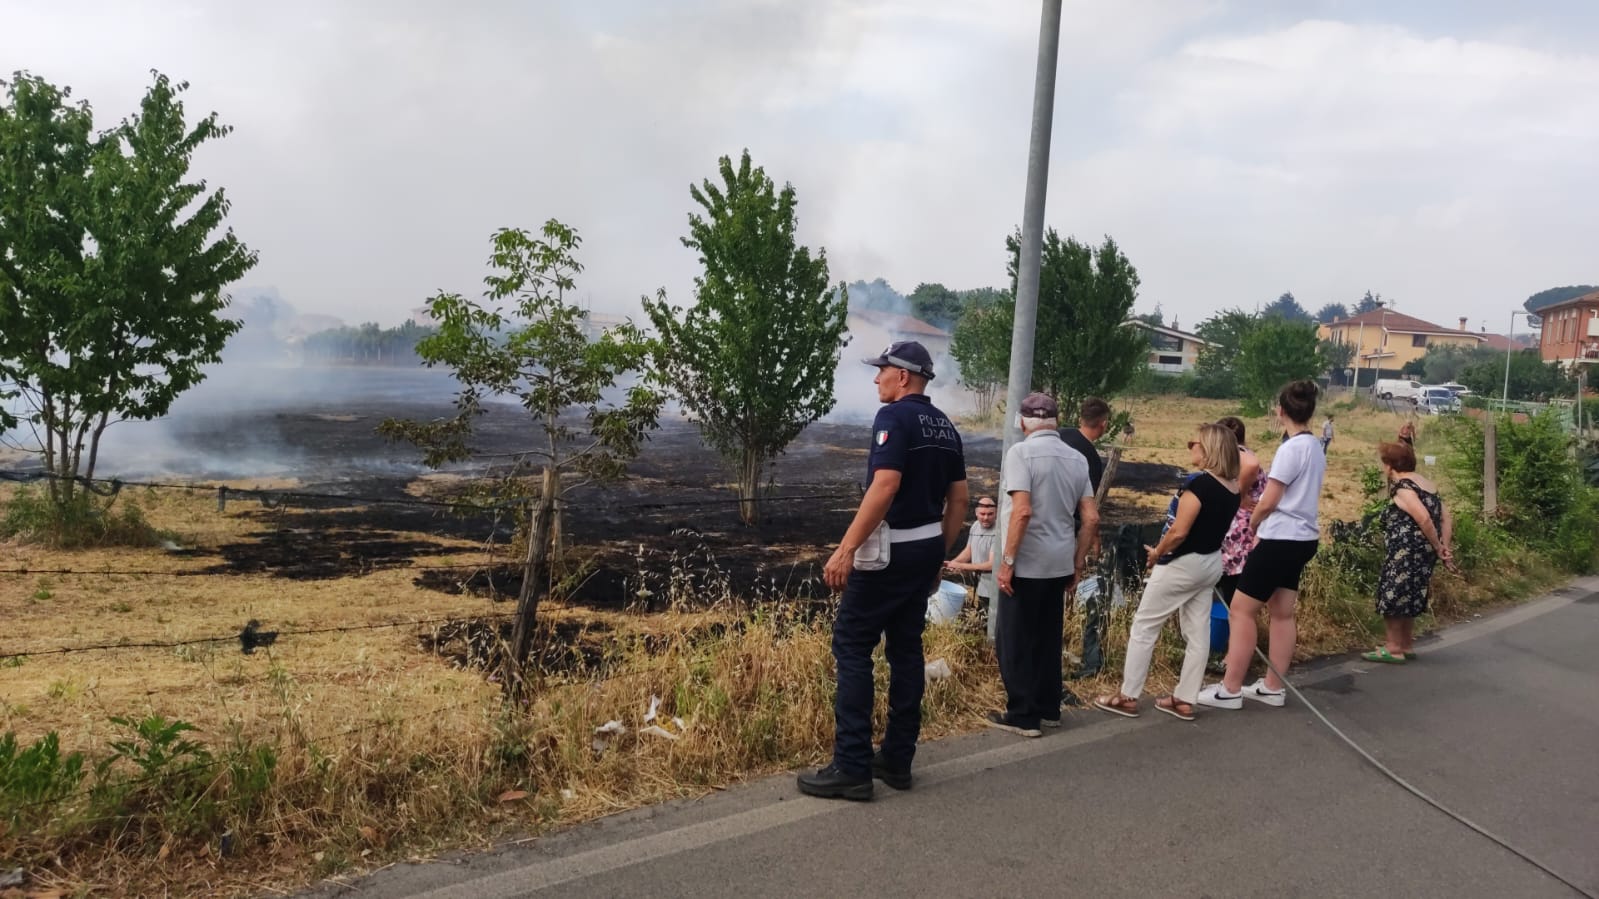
(1498, 720)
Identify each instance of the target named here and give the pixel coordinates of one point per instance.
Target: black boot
(831, 783)
(898, 778)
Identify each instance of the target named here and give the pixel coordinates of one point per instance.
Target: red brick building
(1570, 330)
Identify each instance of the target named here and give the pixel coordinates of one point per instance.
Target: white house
(1171, 352)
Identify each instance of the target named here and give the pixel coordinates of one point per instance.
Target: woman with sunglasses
(1187, 564)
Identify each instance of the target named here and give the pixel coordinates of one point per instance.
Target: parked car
(1399, 389)
(1439, 401)
(1456, 389)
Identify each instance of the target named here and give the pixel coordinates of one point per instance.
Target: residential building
(873, 329)
(1384, 339)
(1570, 330)
(1171, 352)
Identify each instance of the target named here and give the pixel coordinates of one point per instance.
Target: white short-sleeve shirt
(1300, 466)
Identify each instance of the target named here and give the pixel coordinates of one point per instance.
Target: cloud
(1233, 153)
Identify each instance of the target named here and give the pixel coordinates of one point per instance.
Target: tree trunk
(534, 574)
(749, 484)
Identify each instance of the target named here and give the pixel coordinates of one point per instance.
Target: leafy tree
(1081, 347)
(1273, 353)
(1215, 372)
(1415, 368)
(1287, 307)
(1530, 377)
(539, 353)
(754, 358)
(877, 294)
(111, 271)
(1556, 295)
(981, 347)
(1332, 312)
(981, 298)
(1338, 355)
(1371, 302)
(936, 304)
(367, 345)
(1156, 318)
(1444, 363)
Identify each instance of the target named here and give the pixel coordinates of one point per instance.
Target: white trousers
(1182, 587)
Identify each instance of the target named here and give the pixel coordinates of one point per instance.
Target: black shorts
(1275, 565)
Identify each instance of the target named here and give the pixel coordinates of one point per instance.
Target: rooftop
(1400, 323)
(900, 324)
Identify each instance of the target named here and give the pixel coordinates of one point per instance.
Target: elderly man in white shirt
(1043, 482)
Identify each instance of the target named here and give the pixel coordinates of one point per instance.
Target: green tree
(111, 270)
(539, 353)
(1081, 346)
(753, 360)
(1444, 363)
(1156, 318)
(1530, 377)
(1275, 352)
(1332, 312)
(981, 347)
(937, 305)
(1287, 307)
(1337, 355)
(1556, 295)
(1371, 302)
(876, 294)
(1216, 370)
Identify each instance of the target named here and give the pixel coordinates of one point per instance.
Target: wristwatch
(1008, 560)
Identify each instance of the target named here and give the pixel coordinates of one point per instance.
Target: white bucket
(945, 604)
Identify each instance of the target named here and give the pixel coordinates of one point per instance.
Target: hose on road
(1415, 791)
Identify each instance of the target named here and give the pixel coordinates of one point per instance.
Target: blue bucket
(1219, 629)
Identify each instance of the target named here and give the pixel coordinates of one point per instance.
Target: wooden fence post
(1108, 475)
(1490, 466)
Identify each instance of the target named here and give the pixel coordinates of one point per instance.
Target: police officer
(912, 512)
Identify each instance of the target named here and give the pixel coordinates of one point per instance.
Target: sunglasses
(1193, 443)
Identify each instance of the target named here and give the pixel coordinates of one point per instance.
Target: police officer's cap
(906, 354)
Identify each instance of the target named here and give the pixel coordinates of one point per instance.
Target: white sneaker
(1216, 697)
(1258, 692)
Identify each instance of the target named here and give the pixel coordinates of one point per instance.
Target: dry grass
(385, 750)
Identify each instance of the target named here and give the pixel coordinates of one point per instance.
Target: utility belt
(874, 553)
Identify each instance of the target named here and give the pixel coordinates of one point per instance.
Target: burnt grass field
(668, 532)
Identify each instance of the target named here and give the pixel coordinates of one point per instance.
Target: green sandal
(1381, 654)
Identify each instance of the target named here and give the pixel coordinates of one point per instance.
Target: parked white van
(1400, 389)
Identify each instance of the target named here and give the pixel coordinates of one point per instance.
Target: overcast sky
(1446, 156)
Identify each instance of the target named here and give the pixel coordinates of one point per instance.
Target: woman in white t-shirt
(1286, 522)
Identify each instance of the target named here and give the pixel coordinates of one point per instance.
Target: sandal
(1118, 705)
(1171, 705)
(1381, 654)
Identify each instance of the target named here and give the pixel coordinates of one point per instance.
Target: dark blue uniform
(913, 437)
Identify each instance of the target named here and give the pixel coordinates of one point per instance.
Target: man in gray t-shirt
(1043, 482)
(979, 557)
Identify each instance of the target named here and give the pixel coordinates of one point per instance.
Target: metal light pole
(1510, 348)
(1027, 269)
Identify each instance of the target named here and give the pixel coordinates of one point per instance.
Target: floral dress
(1407, 572)
(1239, 541)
